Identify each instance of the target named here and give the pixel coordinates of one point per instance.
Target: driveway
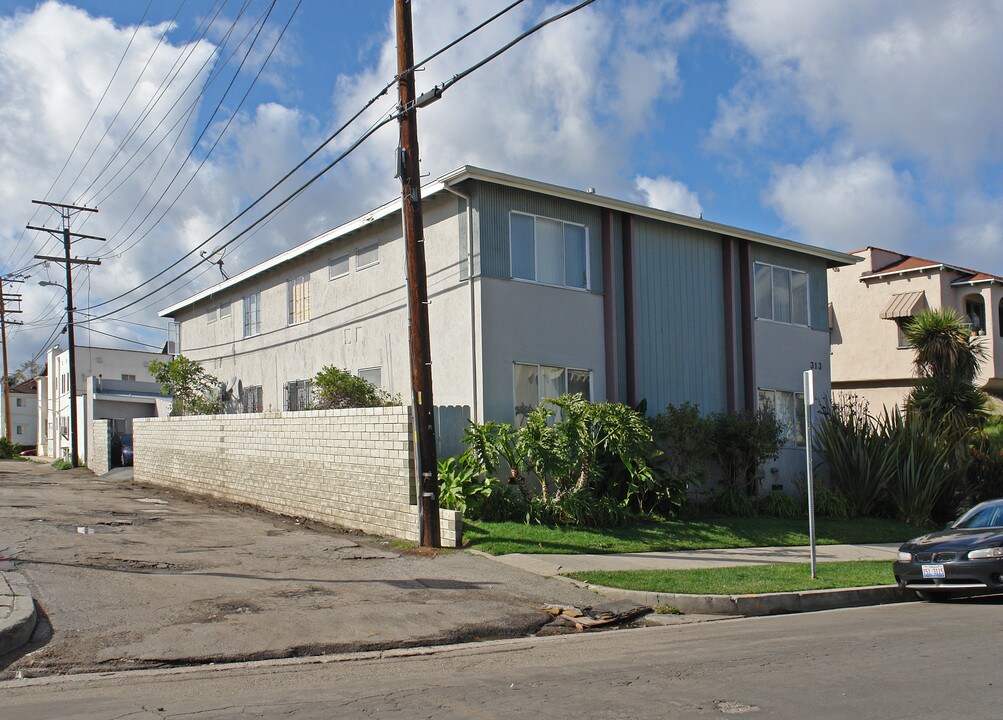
(132, 576)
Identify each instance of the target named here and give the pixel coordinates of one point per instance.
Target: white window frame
(211, 314)
(359, 265)
(19, 429)
(564, 270)
(251, 320)
(377, 368)
(225, 310)
(789, 270)
(303, 314)
(337, 258)
(791, 439)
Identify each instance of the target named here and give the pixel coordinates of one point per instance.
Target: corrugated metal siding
(493, 203)
(680, 317)
(461, 216)
(818, 293)
(616, 227)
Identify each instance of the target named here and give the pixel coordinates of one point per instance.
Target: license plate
(933, 571)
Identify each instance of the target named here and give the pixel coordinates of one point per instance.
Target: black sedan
(964, 559)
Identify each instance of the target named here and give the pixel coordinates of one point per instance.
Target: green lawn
(499, 538)
(783, 577)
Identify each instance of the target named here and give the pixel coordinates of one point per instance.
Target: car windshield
(982, 516)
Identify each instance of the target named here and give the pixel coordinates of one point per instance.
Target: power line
(209, 152)
(421, 101)
(316, 150)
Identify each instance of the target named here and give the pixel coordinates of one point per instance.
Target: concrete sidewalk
(17, 611)
(551, 565)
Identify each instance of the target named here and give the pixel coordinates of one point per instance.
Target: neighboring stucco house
(112, 384)
(535, 290)
(23, 413)
(872, 300)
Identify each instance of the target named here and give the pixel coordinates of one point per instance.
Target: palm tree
(948, 358)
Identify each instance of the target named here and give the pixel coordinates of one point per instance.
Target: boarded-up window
(298, 291)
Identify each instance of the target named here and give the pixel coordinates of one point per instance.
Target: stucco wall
(351, 468)
(357, 321)
(99, 458)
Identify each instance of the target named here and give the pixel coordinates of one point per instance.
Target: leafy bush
(828, 503)
(6, 449)
(61, 464)
(194, 389)
(462, 487)
(779, 505)
(984, 474)
(680, 436)
(732, 502)
(335, 388)
(579, 507)
(741, 443)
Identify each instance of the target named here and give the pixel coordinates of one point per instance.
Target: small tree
(741, 443)
(335, 388)
(194, 389)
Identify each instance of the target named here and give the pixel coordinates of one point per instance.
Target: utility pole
(417, 283)
(67, 212)
(3, 338)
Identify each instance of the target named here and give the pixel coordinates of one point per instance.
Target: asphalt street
(126, 576)
(911, 660)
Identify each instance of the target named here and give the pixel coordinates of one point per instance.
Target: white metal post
(809, 400)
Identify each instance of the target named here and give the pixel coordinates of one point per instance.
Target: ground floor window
(373, 376)
(298, 394)
(535, 383)
(19, 429)
(788, 409)
(252, 399)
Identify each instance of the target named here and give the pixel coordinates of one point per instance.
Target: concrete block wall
(99, 457)
(351, 468)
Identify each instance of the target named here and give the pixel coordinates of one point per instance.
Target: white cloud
(845, 203)
(665, 193)
(916, 79)
(563, 106)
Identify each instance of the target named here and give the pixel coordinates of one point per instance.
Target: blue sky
(841, 123)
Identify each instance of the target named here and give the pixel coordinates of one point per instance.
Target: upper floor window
(781, 294)
(549, 251)
(19, 402)
(128, 378)
(298, 292)
(366, 256)
(252, 314)
(337, 267)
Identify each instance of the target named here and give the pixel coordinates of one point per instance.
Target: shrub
(984, 475)
(828, 503)
(6, 449)
(859, 463)
(462, 487)
(742, 443)
(732, 502)
(61, 464)
(335, 388)
(680, 436)
(779, 505)
(194, 390)
(924, 470)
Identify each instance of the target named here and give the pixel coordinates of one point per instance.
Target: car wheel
(934, 595)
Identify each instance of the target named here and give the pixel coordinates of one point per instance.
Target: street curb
(757, 605)
(17, 627)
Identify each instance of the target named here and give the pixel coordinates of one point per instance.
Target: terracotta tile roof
(912, 262)
(29, 387)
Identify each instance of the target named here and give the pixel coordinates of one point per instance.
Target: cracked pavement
(127, 576)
